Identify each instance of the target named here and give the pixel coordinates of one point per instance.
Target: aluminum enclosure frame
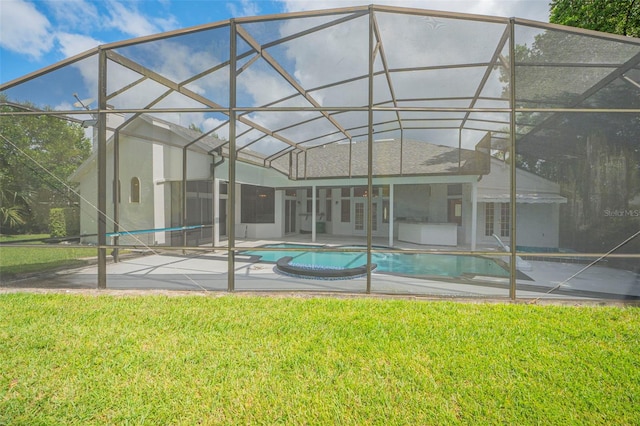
(239, 116)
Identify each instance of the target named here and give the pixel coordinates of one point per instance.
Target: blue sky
(37, 33)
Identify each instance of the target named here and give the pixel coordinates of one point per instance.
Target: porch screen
(258, 204)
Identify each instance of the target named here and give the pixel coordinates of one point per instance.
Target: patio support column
(213, 200)
(183, 184)
(313, 213)
(474, 214)
(102, 169)
(390, 215)
(231, 193)
(512, 155)
(370, 150)
(116, 193)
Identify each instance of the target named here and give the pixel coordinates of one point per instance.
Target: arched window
(135, 190)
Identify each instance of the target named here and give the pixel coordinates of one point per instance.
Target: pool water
(414, 264)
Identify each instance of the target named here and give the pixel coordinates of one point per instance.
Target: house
(422, 193)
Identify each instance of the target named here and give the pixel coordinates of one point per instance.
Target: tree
(195, 128)
(37, 155)
(609, 16)
(14, 204)
(610, 170)
(595, 156)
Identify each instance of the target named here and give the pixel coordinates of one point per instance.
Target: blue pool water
(415, 264)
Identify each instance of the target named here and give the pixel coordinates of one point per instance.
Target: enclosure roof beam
(267, 57)
(176, 87)
(385, 65)
(493, 62)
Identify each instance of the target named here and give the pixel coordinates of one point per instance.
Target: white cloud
(23, 29)
(74, 15)
(529, 9)
(245, 8)
(73, 44)
(130, 21)
(212, 123)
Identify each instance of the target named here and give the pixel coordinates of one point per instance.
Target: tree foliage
(37, 155)
(593, 156)
(609, 16)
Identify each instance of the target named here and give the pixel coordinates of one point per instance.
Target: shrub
(57, 223)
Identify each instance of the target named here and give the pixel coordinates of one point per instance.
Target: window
(360, 218)
(360, 191)
(257, 204)
(505, 223)
(345, 211)
(345, 192)
(199, 202)
(135, 190)
(489, 217)
(374, 216)
(327, 204)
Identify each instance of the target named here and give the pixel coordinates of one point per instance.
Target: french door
(360, 217)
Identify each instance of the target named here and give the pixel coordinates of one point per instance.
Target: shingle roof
(390, 158)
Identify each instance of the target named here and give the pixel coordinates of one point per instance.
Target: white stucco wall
(155, 165)
(538, 225)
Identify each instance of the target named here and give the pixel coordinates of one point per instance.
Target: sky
(38, 33)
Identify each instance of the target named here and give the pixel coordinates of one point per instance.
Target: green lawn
(21, 260)
(71, 359)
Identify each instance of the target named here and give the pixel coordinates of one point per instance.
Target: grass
(15, 261)
(69, 359)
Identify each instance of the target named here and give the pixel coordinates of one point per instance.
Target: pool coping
(285, 266)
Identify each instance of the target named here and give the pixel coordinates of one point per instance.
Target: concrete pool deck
(207, 271)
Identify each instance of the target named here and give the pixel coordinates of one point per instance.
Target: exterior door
(289, 216)
(360, 217)
(455, 211)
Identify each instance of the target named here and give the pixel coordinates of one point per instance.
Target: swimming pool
(411, 264)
